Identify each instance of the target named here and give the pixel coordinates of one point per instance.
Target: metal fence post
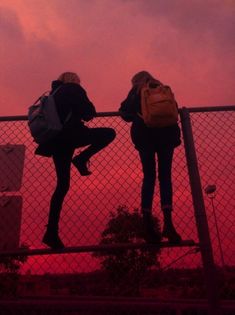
(200, 214)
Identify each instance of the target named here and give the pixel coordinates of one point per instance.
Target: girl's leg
(147, 191)
(149, 177)
(62, 166)
(165, 157)
(97, 139)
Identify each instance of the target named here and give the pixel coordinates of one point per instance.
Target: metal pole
(210, 190)
(200, 214)
(217, 230)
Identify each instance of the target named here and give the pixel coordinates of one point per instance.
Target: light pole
(210, 191)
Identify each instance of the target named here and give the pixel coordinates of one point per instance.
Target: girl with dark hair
(152, 141)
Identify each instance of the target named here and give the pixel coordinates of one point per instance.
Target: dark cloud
(10, 27)
(107, 41)
(196, 18)
(23, 61)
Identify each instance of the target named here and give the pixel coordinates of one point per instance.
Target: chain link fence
(27, 182)
(214, 141)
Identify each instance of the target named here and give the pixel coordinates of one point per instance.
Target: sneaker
(81, 165)
(52, 240)
(170, 233)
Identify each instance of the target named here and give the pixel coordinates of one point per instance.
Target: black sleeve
(130, 106)
(88, 110)
(82, 107)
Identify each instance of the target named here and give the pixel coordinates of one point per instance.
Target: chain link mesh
(116, 181)
(214, 141)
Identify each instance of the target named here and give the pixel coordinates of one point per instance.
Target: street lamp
(210, 191)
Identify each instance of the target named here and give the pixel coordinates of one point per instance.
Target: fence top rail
(209, 109)
(115, 113)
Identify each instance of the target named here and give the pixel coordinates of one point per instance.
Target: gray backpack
(43, 119)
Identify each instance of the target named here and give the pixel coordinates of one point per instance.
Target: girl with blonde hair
(69, 77)
(74, 108)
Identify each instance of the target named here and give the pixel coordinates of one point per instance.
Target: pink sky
(188, 44)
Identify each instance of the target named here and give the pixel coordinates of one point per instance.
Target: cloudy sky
(189, 44)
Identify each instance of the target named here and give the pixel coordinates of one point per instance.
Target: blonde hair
(141, 78)
(69, 77)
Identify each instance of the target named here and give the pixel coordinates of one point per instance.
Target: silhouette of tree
(13, 264)
(126, 267)
(9, 273)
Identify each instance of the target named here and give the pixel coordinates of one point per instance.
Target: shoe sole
(81, 172)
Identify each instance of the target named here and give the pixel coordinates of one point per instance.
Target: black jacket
(72, 102)
(72, 98)
(143, 137)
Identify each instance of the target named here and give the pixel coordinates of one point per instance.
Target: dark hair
(143, 77)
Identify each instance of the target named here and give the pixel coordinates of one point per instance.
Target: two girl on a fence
(72, 98)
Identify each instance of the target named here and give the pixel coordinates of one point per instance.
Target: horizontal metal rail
(210, 109)
(109, 248)
(116, 113)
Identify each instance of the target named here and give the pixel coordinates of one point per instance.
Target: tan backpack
(158, 106)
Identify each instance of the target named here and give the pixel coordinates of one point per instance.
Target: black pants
(164, 158)
(97, 139)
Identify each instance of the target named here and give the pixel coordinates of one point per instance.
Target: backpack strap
(143, 92)
(57, 89)
(67, 118)
(47, 93)
(70, 113)
(38, 99)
